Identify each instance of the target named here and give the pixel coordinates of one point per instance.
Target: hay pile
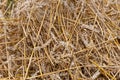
(60, 39)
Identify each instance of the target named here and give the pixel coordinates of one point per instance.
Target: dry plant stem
(5, 38)
(104, 72)
(35, 45)
(59, 39)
